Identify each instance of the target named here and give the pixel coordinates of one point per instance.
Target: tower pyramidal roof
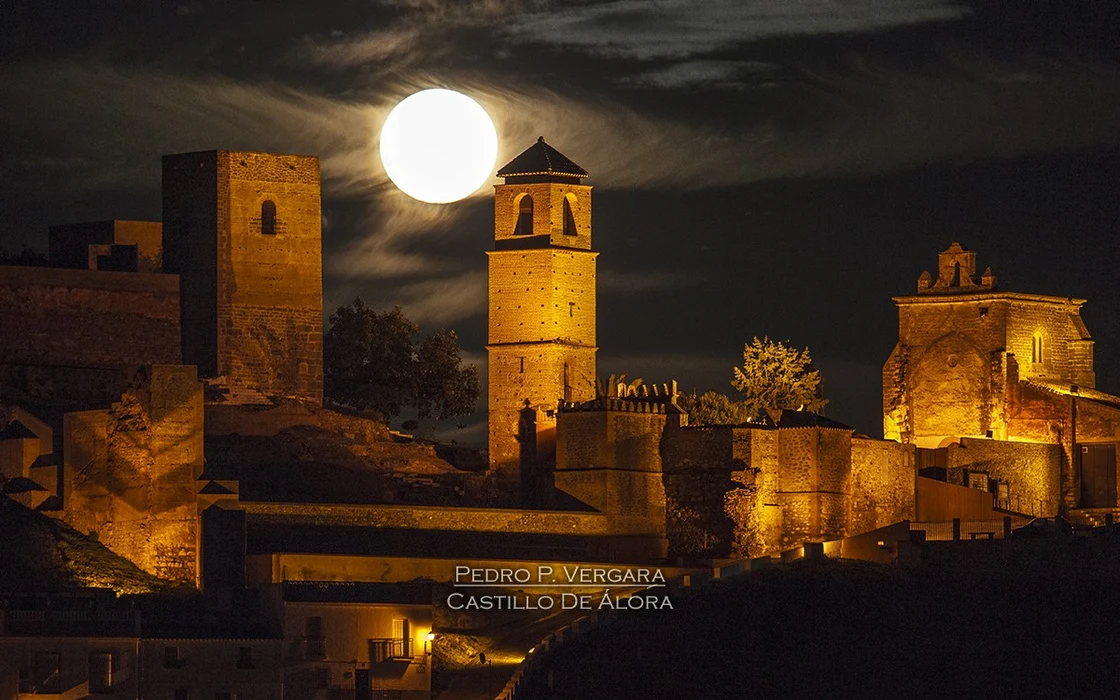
(542, 159)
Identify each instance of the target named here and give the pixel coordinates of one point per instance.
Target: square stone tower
(243, 232)
(542, 305)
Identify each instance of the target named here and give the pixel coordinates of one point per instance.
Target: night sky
(762, 167)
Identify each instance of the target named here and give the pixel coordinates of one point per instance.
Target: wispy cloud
(124, 119)
(441, 302)
(371, 47)
(707, 74)
(681, 28)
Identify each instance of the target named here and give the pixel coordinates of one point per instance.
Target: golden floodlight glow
(438, 146)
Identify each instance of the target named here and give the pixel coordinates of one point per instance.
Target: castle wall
(813, 484)
(1040, 415)
(86, 318)
(130, 472)
(191, 215)
(542, 295)
(441, 518)
(610, 460)
(711, 493)
(882, 483)
(270, 294)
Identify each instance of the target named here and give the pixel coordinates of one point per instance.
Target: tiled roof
(541, 159)
(798, 419)
(1081, 393)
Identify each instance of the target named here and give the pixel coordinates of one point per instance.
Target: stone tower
(243, 232)
(542, 306)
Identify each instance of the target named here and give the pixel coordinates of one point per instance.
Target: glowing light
(431, 636)
(438, 146)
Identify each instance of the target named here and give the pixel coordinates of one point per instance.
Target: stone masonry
(243, 232)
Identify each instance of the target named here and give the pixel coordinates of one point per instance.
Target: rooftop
(542, 159)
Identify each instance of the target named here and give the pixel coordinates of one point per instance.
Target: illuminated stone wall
(130, 471)
(252, 301)
(534, 373)
(754, 491)
(86, 318)
(814, 467)
(883, 484)
(1040, 414)
(1030, 469)
(610, 460)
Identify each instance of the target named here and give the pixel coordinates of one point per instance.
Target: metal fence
(942, 530)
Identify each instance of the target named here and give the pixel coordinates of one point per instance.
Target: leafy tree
(371, 362)
(773, 376)
(776, 376)
(711, 408)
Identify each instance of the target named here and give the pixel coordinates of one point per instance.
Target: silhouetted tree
(371, 362)
(445, 388)
(27, 257)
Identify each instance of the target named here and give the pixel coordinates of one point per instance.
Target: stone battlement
(645, 398)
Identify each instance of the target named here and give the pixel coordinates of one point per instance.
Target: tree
(371, 362)
(711, 408)
(776, 376)
(444, 387)
(773, 376)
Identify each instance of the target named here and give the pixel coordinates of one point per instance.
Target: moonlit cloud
(372, 47)
(705, 74)
(443, 302)
(680, 28)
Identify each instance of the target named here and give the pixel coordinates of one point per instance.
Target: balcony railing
(386, 648)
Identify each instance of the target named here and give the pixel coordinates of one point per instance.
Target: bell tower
(541, 333)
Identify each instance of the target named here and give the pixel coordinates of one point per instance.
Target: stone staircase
(1092, 517)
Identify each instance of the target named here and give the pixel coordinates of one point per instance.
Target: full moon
(438, 146)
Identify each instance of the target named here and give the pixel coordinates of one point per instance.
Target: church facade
(977, 363)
